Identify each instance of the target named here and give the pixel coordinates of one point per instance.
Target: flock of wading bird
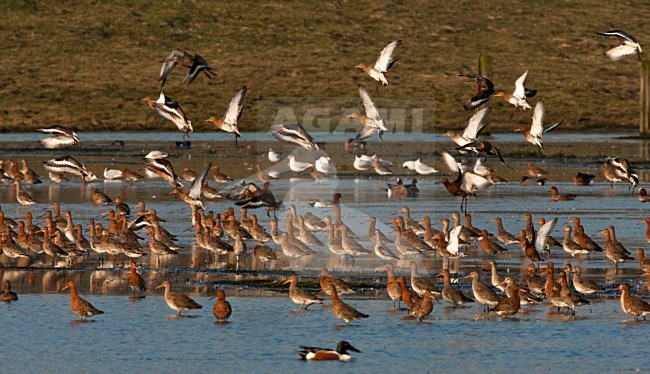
(60, 237)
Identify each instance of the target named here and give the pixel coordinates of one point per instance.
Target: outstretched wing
(476, 123)
(620, 52)
(386, 58)
(556, 124)
(543, 233)
(537, 128)
(197, 184)
(235, 107)
(294, 134)
(520, 90)
(368, 105)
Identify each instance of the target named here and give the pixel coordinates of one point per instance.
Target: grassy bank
(64, 62)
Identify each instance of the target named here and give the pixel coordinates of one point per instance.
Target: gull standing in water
(229, 121)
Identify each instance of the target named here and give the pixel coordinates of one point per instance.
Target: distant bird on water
(327, 354)
(629, 47)
(384, 62)
(229, 121)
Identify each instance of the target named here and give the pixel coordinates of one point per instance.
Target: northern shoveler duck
(68, 165)
(174, 58)
(557, 196)
(135, 280)
(483, 93)
(371, 121)
(583, 179)
(294, 134)
(475, 125)
(178, 301)
(342, 310)
(629, 47)
(322, 354)
(633, 306)
(222, 309)
(7, 295)
(518, 98)
(62, 137)
(300, 296)
(199, 64)
(534, 136)
(384, 62)
(171, 110)
(79, 306)
(229, 121)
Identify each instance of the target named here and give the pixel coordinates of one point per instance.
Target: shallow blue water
(264, 333)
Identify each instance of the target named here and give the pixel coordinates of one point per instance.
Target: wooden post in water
(485, 66)
(644, 125)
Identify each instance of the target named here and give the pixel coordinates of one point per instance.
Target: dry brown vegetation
(64, 61)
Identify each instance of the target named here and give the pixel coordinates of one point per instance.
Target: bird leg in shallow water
(236, 143)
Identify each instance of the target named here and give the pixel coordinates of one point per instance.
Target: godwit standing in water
(633, 306)
(299, 296)
(294, 134)
(193, 197)
(372, 121)
(222, 309)
(534, 136)
(229, 121)
(342, 310)
(80, 307)
(384, 62)
(518, 98)
(629, 47)
(178, 301)
(135, 280)
(326, 354)
(23, 197)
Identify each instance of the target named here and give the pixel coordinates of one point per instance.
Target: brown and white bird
(384, 62)
(371, 121)
(171, 110)
(630, 46)
(229, 121)
(534, 136)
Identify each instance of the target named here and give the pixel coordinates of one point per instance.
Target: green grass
(63, 62)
